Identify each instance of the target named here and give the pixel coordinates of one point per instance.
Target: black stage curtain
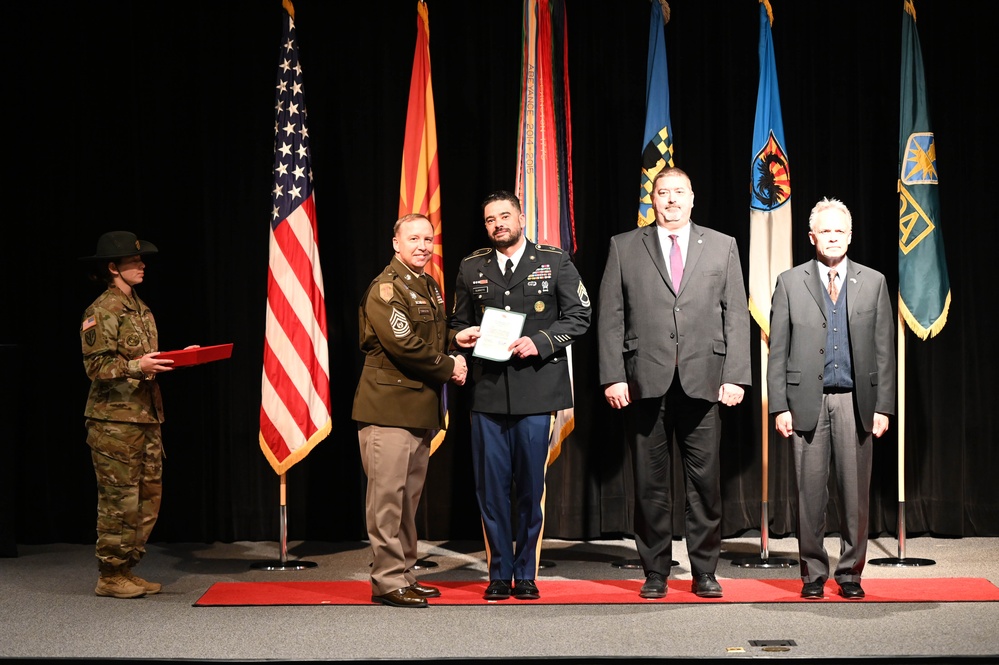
(158, 117)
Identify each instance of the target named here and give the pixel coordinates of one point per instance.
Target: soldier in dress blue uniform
(513, 403)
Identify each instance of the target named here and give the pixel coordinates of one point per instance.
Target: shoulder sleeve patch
(89, 323)
(385, 291)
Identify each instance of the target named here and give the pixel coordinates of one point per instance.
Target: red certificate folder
(198, 355)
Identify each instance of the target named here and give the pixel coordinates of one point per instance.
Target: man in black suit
(514, 401)
(831, 381)
(673, 327)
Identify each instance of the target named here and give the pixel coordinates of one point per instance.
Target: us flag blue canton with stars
(292, 173)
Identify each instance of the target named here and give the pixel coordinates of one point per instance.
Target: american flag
(295, 390)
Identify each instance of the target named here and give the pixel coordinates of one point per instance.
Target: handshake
(460, 371)
(465, 339)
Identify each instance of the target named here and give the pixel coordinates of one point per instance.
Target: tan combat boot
(116, 585)
(150, 587)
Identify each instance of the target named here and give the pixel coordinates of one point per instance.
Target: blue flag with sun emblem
(770, 185)
(923, 284)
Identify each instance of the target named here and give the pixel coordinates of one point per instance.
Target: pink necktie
(675, 263)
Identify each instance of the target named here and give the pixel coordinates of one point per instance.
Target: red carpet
(595, 592)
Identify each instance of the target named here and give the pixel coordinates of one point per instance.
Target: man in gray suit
(673, 327)
(831, 380)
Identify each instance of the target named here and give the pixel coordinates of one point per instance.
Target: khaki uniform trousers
(395, 460)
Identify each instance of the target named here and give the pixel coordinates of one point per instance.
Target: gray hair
(830, 204)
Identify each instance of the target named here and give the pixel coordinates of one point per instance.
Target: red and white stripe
(295, 411)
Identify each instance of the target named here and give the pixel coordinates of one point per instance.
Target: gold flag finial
(665, 7)
(770, 11)
(288, 7)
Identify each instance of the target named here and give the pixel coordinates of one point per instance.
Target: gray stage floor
(48, 609)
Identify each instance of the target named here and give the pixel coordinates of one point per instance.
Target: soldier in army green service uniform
(123, 413)
(397, 406)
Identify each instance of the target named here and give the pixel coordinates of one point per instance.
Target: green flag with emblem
(923, 284)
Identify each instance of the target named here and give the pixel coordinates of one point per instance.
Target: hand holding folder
(197, 355)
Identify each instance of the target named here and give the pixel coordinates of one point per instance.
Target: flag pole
(901, 560)
(283, 563)
(771, 195)
(765, 560)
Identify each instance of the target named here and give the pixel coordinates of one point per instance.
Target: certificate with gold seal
(498, 330)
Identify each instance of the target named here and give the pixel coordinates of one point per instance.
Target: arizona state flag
(419, 184)
(923, 284)
(770, 185)
(657, 152)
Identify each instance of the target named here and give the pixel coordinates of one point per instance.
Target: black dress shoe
(654, 587)
(813, 589)
(497, 590)
(526, 590)
(851, 590)
(425, 591)
(706, 586)
(400, 598)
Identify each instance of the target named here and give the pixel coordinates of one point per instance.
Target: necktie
(508, 271)
(675, 262)
(833, 289)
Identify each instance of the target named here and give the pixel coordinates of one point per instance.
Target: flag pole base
(901, 561)
(283, 563)
(765, 560)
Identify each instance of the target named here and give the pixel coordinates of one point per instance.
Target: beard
(513, 237)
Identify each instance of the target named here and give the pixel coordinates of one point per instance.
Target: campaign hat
(116, 244)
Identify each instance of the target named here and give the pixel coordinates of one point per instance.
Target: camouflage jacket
(117, 330)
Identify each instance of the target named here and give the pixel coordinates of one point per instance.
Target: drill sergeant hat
(118, 244)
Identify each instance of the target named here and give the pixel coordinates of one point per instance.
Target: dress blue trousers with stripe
(511, 452)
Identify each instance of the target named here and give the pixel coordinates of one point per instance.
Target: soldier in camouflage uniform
(124, 411)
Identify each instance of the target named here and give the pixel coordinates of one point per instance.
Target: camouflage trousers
(128, 462)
